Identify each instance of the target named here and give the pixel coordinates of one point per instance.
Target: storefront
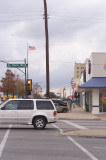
(93, 84)
(95, 94)
(102, 101)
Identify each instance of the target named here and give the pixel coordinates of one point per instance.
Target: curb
(79, 119)
(90, 133)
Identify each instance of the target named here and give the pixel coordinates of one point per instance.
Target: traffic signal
(28, 93)
(29, 85)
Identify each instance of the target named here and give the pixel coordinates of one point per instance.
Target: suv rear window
(44, 105)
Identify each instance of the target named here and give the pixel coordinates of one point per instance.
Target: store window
(102, 100)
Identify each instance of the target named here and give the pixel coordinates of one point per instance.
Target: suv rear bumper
(52, 120)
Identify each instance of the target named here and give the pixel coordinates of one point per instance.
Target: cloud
(76, 28)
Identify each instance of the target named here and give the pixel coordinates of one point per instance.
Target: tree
(52, 95)
(20, 86)
(8, 83)
(12, 84)
(37, 91)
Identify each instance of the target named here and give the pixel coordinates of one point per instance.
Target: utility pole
(25, 79)
(47, 49)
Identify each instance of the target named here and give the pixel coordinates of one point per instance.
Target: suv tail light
(54, 113)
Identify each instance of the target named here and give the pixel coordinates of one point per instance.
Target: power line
(19, 20)
(77, 18)
(73, 18)
(52, 15)
(60, 62)
(74, 62)
(41, 41)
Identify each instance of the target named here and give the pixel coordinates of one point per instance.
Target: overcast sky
(76, 28)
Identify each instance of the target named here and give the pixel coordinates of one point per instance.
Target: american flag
(32, 48)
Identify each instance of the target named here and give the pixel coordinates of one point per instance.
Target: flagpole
(27, 60)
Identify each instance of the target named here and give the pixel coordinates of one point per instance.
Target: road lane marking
(99, 147)
(78, 145)
(2, 145)
(57, 127)
(82, 148)
(74, 125)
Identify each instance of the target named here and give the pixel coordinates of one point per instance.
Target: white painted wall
(95, 101)
(83, 100)
(98, 60)
(95, 97)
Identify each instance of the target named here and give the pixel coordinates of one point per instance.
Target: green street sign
(16, 65)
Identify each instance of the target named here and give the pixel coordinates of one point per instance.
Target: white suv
(37, 112)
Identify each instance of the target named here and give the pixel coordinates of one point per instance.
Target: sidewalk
(79, 113)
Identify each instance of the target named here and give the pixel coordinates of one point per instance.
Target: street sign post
(16, 65)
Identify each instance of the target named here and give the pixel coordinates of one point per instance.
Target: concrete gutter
(73, 115)
(86, 133)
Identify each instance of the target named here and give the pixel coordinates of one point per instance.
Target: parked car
(60, 105)
(37, 112)
(61, 109)
(60, 102)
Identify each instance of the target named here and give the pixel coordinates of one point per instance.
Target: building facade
(78, 70)
(93, 91)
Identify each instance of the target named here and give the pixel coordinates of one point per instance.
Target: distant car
(61, 109)
(60, 102)
(60, 105)
(37, 112)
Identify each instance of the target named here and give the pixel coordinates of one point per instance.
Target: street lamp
(64, 93)
(72, 85)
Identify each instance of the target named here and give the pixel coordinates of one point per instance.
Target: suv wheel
(39, 123)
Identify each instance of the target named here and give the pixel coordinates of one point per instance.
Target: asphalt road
(26, 143)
